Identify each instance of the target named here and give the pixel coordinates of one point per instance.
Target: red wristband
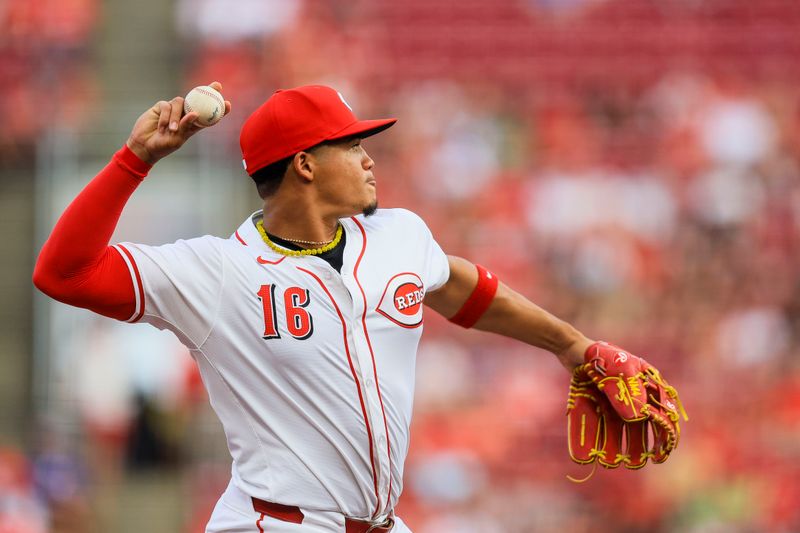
(479, 301)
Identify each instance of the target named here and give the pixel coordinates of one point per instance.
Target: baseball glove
(620, 410)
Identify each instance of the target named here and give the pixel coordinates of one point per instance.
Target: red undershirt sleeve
(76, 265)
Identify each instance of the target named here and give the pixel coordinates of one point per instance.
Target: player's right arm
(76, 264)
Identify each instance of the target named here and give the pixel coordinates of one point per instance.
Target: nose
(367, 161)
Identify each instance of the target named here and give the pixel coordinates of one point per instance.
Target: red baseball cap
(294, 120)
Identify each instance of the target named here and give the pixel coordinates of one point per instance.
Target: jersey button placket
(370, 389)
(376, 416)
(381, 459)
(363, 366)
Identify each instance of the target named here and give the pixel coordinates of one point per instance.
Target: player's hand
(164, 128)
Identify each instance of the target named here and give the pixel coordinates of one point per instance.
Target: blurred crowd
(653, 204)
(45, 69)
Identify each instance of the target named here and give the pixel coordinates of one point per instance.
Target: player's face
(345, 178)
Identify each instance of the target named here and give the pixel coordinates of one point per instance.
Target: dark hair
(269, 178)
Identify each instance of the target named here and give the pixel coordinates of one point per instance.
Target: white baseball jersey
(310, 371)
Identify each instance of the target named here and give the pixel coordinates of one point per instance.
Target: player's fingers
(187, 124)
(193, 128)
(227, 106)
(176, 105)
(163, 109)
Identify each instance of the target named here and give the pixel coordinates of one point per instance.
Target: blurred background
(630, 165)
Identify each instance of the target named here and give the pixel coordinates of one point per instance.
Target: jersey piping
(374, 365)
(355, 377)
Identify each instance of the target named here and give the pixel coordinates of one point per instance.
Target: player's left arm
(612, 393)
(473, 297)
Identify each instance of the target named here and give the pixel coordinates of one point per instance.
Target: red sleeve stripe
(138, 289)
(479, 301)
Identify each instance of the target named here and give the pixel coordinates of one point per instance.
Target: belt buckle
(388, 524)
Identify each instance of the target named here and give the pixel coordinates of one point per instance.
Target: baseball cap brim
(364, 128)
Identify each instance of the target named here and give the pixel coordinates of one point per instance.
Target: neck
(298, 220)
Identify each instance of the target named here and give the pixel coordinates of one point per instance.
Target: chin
(370, 209)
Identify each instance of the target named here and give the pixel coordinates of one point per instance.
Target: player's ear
(303, 165)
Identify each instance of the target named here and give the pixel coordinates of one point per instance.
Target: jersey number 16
(299, 323)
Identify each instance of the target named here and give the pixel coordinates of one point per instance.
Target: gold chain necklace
(296, 253)
(300, 241)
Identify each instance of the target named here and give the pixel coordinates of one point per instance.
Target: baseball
(207, 102)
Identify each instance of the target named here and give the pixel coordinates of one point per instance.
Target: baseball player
(305, 322)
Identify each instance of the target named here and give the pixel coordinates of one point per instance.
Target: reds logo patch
(401, 301)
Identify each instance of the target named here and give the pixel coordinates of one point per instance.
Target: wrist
(130, 161)
(573, 355)
(141, 152)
